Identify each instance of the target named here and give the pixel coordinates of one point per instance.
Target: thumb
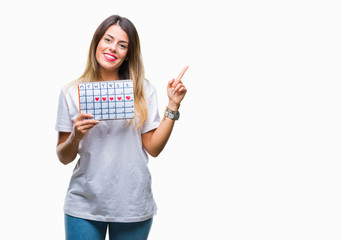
(81, 116)
(170, 83)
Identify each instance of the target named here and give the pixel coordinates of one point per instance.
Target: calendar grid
(107, 100)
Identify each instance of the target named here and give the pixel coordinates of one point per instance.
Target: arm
(68, 142)
(155, 140)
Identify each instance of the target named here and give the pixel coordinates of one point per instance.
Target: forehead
(117, 32)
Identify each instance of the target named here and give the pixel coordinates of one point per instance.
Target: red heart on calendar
(104, 98)
(111, 98)
(97, 98)
(127, 97)
(119, 98)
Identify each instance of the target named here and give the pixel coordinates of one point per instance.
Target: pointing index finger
(178, 79)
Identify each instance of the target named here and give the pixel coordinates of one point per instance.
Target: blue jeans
(82, 229)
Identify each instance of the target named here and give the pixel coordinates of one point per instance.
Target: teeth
(112, 57)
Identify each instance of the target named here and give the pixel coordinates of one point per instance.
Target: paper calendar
(107, 99)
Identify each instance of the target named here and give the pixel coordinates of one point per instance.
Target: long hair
(132, 68)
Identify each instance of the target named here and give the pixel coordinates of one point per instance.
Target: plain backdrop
(256, 152)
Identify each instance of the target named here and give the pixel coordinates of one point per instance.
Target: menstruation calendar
(107, 99)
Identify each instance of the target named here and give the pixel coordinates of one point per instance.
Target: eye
(107, 40)
(122, 46)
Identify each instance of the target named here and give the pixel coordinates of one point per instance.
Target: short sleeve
(153, 117)
(64, 122)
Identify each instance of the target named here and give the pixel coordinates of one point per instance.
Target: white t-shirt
(111, 181)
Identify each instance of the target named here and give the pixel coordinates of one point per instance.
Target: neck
(109, 76)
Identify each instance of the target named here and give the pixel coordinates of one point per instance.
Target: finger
(86, 116)
(170, 83)
(181, 73)
(85, 127)
(182, 90)
(82, 123)
(180, 85)
(82, 116)
(176, 83)
(178, 79)
(90, 121)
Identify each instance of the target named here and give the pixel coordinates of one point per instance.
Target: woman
(111, 184)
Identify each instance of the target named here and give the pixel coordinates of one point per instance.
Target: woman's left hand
(176, 91)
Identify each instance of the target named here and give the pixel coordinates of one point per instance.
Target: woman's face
(112, 49)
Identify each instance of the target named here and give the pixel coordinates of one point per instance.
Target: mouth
(110, 57)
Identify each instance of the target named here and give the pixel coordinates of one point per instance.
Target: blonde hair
(132, 68)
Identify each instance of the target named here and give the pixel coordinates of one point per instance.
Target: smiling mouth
(110, 57)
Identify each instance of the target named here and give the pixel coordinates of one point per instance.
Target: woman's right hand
(82, 124)
(68, 142)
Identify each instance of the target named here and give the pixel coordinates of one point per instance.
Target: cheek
(99, 49)
(124, 54)
(97, 53)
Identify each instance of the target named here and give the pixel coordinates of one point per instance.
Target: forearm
(67, 151)
(68, 142)
(161, 135)
(156, 141)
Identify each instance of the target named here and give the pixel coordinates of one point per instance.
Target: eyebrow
(114, 38)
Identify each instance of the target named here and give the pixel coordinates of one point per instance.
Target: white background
(256, 152)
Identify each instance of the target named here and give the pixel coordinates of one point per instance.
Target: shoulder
(70, 88)
(69, 95)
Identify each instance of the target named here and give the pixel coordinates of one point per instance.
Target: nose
(113, 47)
